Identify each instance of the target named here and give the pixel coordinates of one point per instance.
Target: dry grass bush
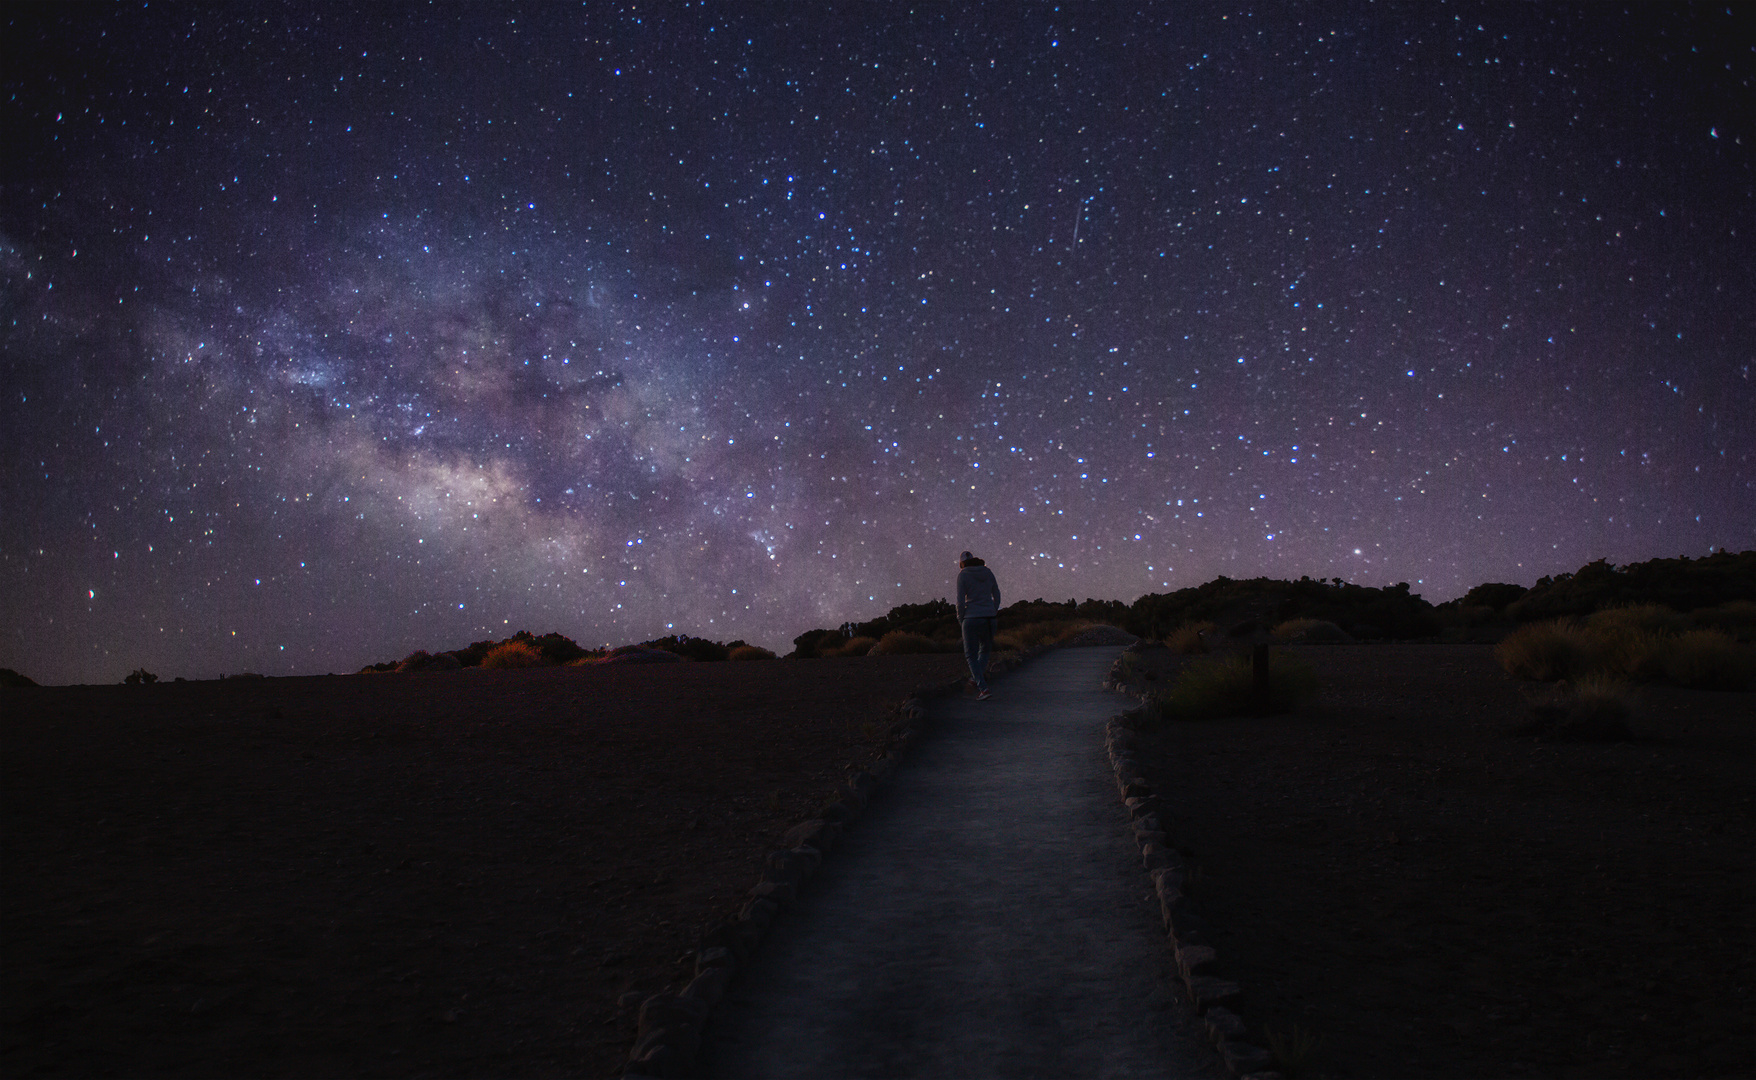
(1547, 651)
(513, 654)
(1709, 660)
(1226, 686)
(858, 646)
(1594, 709)
(1028, 636)
(898, 642)
(750, 652)
(1191, 638)
(1646, 643)
(1737, 618)
(1638, 618)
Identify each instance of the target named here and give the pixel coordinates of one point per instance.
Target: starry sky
(329, 333)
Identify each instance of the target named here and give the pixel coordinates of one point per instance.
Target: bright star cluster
(330, 334)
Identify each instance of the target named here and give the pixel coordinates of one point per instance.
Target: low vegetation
(1595, 709)
(899, 642)
(1645, 643)
(513, 654)
(1225, 685)
(1192, 638)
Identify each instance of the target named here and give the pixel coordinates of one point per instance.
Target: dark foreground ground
(459, 874)
(1393, 872)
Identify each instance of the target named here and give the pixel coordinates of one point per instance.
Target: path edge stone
(1164, 866)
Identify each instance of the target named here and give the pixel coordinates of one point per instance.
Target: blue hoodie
(978, 593)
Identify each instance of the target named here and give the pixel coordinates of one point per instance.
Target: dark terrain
(1392, 871)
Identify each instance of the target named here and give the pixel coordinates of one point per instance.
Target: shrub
(1638, 618)
(750, 652)
(858, 646)
(1191, 638)
(415, 661)
(12, 679)
(140, 676)
(1708, 660)
(898, 642)
(1594, 709)
(513, 654)
(1547, 651)
(1226, 686)
(1737, 618)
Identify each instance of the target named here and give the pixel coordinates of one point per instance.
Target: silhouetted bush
(750, 652)
(140, 676)
(690, 648)
(1493, 595)
(1362, 611)
(1682, 584)
(13, 680)
(813, 643)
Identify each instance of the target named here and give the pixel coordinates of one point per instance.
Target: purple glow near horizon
(331, 335)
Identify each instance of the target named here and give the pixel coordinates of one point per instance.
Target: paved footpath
(987, 916)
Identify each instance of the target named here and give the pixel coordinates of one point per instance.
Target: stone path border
(1184, 931)
(671, 1024)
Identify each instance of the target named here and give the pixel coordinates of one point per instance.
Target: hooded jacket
(978, 592)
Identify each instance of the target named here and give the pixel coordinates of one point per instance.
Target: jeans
(978, 642)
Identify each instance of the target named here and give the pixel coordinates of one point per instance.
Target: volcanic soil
(454, 874)
(1403, 886)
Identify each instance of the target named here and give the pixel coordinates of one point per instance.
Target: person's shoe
(970, 684)
(984, 695)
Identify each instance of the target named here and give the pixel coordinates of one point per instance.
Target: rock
(663, 1061)
(1136, 788)
(1155, 856)
(1206, 990)
(1139, 806)
(781, 892)
(1148, 822)
(1170, 879)
(792, 865)
(759, 912)
(803, 833)
(667, 1011)
(709, 986)
(1144, 837)
(1222, 1023)
(714, 956)
(838, 812)
(1241, 1057)
(1192, 957)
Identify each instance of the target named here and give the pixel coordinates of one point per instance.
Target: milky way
(329, 335)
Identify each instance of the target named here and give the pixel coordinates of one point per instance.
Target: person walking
(978, 611)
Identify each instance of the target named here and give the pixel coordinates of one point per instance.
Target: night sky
(328, 335)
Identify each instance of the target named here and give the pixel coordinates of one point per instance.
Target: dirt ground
(459, 874)
(1393, 872)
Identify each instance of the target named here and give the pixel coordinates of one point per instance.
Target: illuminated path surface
(987, 917)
